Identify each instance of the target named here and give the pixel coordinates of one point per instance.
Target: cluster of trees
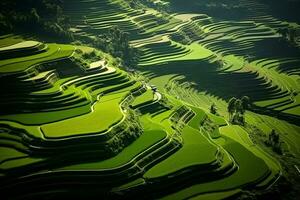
(90, 56)
(274, 141)
(134, 4)
(35, 16)
(161, 6)
(47, 17)
(236, 109)
(125, 133)
(83, 59)
(116, 42)
(123, 139)
(181, 37)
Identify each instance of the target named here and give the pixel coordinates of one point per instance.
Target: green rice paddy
(119, 132)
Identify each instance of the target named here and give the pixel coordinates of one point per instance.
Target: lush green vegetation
(119, 99)
(105, 113)
(188, 156)
(35, 16)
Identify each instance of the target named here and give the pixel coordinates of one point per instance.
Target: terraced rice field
(92, 130)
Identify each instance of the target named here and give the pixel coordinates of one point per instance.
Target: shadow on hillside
(223, 85)
(239, 9)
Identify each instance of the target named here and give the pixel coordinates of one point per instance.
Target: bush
(274, 142)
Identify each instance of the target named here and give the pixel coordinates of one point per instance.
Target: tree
(238, 106)
(238, 118)
(117, 43)
(245, 102)
(274, 137)
(213, 109)
(34, 16)
(231, 107)
(236, 109)
(239, 112)
(274, 141)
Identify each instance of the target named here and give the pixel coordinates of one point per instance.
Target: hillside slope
(75, 123)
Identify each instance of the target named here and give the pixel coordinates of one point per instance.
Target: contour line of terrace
(45, 60)
(120, 105)
(134, 162)
(20, 46)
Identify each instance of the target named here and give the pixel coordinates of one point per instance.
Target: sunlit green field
(76, 121)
